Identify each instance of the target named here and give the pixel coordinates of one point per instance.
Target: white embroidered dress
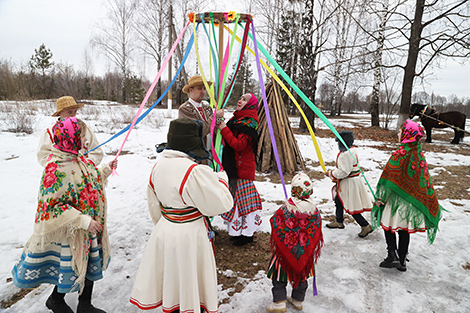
(351, 188)
(178, 269)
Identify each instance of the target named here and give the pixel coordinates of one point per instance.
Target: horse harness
(423, 113)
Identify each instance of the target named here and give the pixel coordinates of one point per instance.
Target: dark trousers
(403, 242)
(340, 214)
(85, 296)
(280, 293)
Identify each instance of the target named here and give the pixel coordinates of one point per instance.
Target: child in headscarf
(296, 242)
(408, 202)
(69, 246)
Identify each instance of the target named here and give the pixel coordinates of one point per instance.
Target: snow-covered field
(348, 276)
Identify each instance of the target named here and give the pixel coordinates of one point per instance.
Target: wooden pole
(170, 42)
(221, 53)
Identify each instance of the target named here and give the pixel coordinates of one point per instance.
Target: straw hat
(66, 102)
(185, 135)
(194, 81)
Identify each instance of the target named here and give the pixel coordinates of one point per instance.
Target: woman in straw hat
(178, 270)
(67, 107)
(69, 246)
(239, 160)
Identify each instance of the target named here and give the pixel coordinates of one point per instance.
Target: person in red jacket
(239, 161)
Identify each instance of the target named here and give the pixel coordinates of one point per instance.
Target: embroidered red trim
(184, 181)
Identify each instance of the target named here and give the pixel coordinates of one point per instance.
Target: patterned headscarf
(411, 132)
(301, 186)
(67, 135)
(252, 104)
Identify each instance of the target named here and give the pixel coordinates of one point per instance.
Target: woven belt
(180, 215)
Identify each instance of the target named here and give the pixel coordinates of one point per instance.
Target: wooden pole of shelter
(289, 153)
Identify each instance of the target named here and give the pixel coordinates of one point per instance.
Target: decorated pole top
(220, 17)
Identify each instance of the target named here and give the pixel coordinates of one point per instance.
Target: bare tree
(345, 54)
(438, 29)
(116, 39)
(267, 19)
(153, 31)
(315, 22)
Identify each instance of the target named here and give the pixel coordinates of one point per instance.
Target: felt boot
(366, 230)
(295, 303)
(391, 260)
(335, 224)
(277, 307)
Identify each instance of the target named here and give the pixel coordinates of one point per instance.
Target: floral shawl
(406, 185)
(70, 186)
(296, 239)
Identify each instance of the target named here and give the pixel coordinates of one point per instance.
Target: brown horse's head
(416, 109)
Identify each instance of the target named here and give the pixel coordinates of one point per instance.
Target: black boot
(84, 300)
(58, 306)
(56, 302)
(242, 240)
(85, 306)
(402, 266)
(391, 260)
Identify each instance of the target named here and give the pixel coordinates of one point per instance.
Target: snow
(348, 276)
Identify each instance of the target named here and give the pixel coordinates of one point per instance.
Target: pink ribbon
(149, 92)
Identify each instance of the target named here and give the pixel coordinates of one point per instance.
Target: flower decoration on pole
(191, 17)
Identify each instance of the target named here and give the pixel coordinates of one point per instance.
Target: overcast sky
(66, 27)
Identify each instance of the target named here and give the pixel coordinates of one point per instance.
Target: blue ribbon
(143, 115)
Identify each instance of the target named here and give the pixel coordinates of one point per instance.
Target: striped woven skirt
(246, 200)
(54, 266)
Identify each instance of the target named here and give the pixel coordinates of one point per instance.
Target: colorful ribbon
(183, 61)
(307, 101)
(266, 109)
(279, 81)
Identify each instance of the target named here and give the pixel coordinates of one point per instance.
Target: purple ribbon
(266, 109)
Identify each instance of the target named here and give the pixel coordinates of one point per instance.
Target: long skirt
(54, 266)
(401, 220)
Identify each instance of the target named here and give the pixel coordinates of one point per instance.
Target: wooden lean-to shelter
(289, 153)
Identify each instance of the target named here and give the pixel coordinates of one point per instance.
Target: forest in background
(345, 55)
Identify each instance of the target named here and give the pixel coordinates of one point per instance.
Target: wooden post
(221, 54)
(170, 43)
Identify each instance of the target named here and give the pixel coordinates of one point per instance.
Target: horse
(430, 118)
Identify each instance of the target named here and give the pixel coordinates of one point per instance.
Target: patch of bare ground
(243, 262)
(452, 180)
(5, 304)
(466, 266)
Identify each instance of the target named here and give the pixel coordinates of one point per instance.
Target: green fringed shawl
(406, 186)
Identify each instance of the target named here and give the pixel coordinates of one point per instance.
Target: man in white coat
(178, 270)
(67, 107)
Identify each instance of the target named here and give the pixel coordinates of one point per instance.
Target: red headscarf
(252, 104)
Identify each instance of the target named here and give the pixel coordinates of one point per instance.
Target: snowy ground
(348, 276)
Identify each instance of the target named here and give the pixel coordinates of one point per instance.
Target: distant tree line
(344, 55)
(41, 78)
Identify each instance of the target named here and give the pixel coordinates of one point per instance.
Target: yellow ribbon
(278, 80)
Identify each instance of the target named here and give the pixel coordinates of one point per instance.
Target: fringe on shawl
(76, 237)
(407, 211)
(295, 275)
